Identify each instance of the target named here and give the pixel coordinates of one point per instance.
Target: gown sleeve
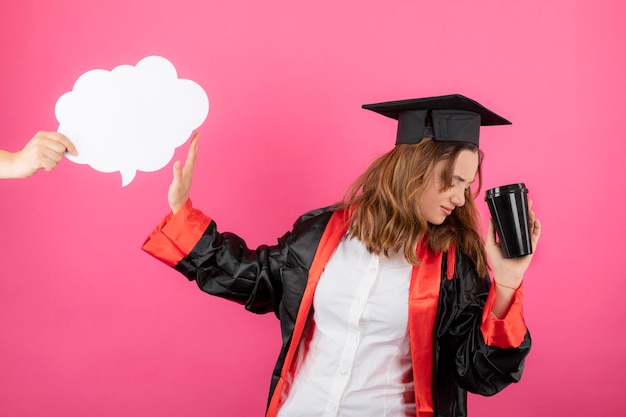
(482, 353)
(220, 263)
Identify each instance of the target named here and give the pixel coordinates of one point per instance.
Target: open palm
(179, 190)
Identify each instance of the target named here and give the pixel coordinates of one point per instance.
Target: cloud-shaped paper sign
(131, 118)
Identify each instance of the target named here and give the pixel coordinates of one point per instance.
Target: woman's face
(437, 204)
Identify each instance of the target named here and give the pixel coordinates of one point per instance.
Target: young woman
(384, 301)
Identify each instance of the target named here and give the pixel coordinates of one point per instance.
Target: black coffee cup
(508, 206)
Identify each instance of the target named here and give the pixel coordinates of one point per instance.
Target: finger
(45, 142)
(178, 172)
(531, 216)
(68, 145)
(535, 234)
(63, 141)
(52, 154)
(192, 155)
(43, 157)
(47, 164)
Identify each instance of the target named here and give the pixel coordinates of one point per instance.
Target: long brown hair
(385, 213)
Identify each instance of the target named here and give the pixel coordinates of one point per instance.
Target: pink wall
(90, 325)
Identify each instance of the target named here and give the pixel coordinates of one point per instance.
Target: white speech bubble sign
(131, 118)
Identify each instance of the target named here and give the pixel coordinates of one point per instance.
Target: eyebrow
(459, 178)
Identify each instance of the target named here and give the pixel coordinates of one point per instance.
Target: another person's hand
(44, 151)
(510, 272)
(179, 190)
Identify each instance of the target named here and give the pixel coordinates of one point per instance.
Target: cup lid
(506, 189)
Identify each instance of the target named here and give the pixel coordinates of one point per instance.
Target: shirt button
(359, 301)
(343, 372)
(332, 407)
(353, 337)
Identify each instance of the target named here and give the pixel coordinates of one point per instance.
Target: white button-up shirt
(358, 361)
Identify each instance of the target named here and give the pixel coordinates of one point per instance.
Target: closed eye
(460, 180)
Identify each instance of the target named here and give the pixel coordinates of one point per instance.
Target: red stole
(423, 300)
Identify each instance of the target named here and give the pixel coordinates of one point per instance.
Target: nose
(458, 198)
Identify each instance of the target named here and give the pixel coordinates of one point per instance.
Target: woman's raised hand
(179, 190)
(510, 272)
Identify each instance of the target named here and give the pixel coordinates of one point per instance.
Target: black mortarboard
(443, 118)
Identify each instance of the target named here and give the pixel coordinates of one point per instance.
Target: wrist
(178, 205)
(175, 208)
(8, 164)
(513, 287)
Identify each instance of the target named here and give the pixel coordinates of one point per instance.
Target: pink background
(92, 326)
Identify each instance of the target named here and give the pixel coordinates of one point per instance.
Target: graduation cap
(444, 118)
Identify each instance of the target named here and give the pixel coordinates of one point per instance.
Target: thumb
(177, 171)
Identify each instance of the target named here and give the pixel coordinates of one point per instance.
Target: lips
(446, 210)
